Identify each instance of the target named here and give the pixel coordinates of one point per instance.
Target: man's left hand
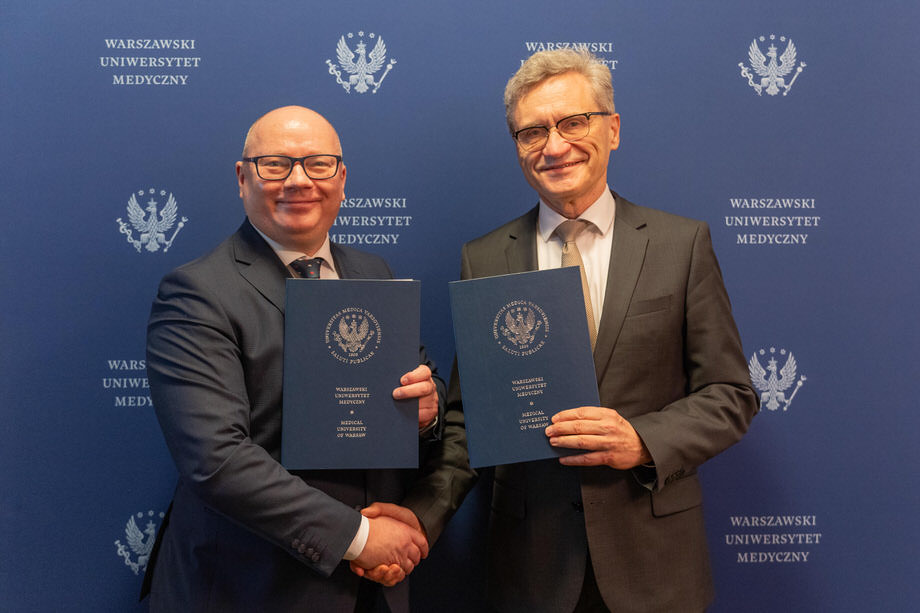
(608, 438)
(419, 384)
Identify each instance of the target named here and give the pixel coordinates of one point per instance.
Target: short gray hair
(545, 64)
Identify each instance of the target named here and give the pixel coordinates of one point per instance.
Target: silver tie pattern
(568, 231)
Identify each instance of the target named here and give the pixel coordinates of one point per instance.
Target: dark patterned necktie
(568, 231)
(308, 268)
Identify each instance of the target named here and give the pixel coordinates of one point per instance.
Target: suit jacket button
(578, 506)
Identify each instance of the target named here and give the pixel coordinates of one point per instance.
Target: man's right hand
(393, 549)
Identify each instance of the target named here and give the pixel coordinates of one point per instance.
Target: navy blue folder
(346, 345)
(523, 354)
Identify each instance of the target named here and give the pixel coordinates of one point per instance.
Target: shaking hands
(395, 545)
(396, 542)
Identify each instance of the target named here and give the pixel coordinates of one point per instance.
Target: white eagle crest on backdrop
(153, 225)
(773, 388)
(139, 542)
(359, 65)
(520, 328)
(361, 69)
(772, 74)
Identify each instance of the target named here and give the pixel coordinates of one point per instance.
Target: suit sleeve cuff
(429, 432)
(646, 475)
(360, 540)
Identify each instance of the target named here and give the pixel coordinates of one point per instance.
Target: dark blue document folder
(523, 354)
(346, 345)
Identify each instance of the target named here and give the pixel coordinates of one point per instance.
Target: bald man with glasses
(244, 533)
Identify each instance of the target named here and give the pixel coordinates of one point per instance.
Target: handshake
(397, 541)
(395, 544)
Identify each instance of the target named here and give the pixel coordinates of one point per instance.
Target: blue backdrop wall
(809, 189)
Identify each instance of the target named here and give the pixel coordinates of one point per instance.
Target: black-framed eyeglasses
(571, 128)
(278, 167)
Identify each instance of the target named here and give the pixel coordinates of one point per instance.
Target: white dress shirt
(326, 271)
(594, 243)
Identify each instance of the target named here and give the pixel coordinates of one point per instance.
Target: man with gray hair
(618, 527)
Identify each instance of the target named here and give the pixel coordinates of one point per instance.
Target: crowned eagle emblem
(774, 386)
(140, 542)
(352, 335)
(151, 225)
(772, 74)
(520, 327)
(359, 66)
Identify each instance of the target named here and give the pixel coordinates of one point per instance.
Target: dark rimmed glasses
(571, 128)
(278, 167)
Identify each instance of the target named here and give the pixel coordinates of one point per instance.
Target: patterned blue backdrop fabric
(110, 108)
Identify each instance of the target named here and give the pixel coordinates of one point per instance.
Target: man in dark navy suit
(244, 533)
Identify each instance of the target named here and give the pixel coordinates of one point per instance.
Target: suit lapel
(346, 267)
(627, 255)
(521, 251)
(259, 265)
(626, 258)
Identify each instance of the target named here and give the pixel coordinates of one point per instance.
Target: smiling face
(569, 176)
(298, 211)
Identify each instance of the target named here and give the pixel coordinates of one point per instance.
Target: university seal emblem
(774, 386)
(152, 227)
(140, 542)
(772, 74)
(359, 66)
(520, 328)
(352, 335)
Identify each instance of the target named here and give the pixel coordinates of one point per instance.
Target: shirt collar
(600, 214)
(289, 255)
